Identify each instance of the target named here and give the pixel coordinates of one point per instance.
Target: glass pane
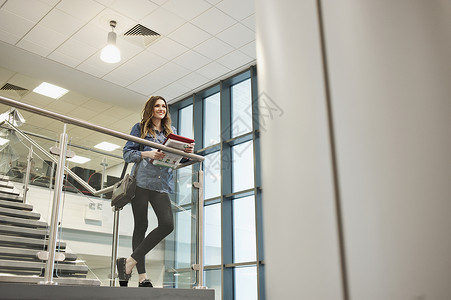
(184, 185)
(212, 229)
(241, 108)
(246, 283)
(243, 167)
(212, 175)
(212, 120)
(244, 238)
(185, 127)
(213, 281)
(183, 240)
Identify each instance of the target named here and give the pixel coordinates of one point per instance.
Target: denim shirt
(149, 177)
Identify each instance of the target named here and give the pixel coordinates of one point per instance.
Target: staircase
(23, 237)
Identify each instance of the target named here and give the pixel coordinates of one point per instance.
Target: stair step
(30, 253)
(18, 265)
(10, 197)
(22, 222)
(16, 205)
(7, 240)
(8, 192)
(23, 231)
(11, 212)
(4, 178)
(6, 184)
(60, 281)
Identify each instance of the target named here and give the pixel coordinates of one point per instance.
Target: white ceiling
(59, 41)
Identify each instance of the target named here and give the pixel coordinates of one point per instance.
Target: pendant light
(110, 53)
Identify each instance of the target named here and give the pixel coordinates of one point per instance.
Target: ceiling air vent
(141, 35)
(14, 90)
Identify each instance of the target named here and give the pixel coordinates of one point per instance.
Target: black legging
(161, 205)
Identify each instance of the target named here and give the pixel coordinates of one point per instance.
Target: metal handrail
(81, 123)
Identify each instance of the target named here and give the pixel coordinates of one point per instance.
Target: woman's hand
(154, 154)
(189, 148)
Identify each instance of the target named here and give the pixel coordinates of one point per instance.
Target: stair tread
(14, 198)
(23, 231)
(21, 252)
(22, 222)
(28, 241)
(8, 192)
(59, 280)
(16, 205)
(19, 213)
(35, 265)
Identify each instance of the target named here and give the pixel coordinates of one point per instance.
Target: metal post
(199, 268)
(51, 248)
(104, 164)
(27, 174)
(114, 246)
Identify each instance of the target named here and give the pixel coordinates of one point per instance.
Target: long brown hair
(146, 122)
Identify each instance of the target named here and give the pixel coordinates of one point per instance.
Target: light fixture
(50, 90)
(110, 53)
(79, 159)
(107, 146)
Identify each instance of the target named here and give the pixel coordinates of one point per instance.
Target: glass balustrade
(86, 221)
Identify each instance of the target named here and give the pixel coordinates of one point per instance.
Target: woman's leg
(161, 205)
(139, 207)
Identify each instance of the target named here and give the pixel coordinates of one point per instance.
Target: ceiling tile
(39, 121)
(45, 37)
(134, 9)
(74, 98)
(250, 50)
(14, 24)
(162, 21)
(167, 48)
(5, 74)
(238, 9)
(30, 10)
(193, 80)
(24, 81)
(64, 59)
(50, 2)
(172, 91)
(128, 50)
(85, 10)
(214, 2)
(83, 112)
(102, 20)
(104, 121)
(159, 2)
(37, 99)
(76, 49)
(140, 65)
(234, 60)
(61, 22)
(32, 47)
(213, 21)
(237, 36)
(118, 112)
(213, 70)
(8, 37)
(192, 60)
(214, 48)
(249, 22)
(91, 35)
(61, 107)
(187, 9)
(97, 105)
(189, 35)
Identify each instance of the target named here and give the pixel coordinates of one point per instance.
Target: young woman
(153, 184)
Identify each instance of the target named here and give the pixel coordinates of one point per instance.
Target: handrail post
(114, 246)
(59, 176)
(199, 268)
(27, 174)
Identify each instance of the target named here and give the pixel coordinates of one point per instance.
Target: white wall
(390, 81)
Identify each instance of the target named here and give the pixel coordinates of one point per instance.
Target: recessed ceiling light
(3, 141)
(107, 146)
(50, 90)
(79, 159)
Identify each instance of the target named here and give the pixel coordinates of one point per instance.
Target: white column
(300, 232)
(390, 80)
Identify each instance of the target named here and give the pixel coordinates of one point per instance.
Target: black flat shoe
(145, 283)
(120, 264)
(123, 283)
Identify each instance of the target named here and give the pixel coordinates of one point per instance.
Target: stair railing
(61, 168)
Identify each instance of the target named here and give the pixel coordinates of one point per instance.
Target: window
(222, 120)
